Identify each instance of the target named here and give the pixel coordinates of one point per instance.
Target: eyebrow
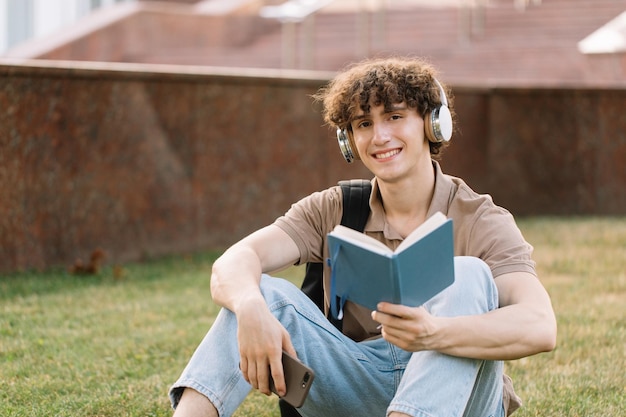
(391, 109)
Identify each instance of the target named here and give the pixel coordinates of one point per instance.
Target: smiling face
(391, 141)
(381, 82)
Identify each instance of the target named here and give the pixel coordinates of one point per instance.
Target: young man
(441, 359)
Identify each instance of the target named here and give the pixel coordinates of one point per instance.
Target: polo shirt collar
(440, 202)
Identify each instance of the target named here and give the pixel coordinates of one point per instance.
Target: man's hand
(262, 338)
(523, 325)
(410, 328)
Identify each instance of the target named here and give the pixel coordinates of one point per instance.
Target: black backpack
(356, 210)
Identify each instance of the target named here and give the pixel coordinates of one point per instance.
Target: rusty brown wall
(544, 151)
(145, 164)
(144, 161)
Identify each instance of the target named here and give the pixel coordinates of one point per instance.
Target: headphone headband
(442, 93)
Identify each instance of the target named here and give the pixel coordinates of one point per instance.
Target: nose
(381, 134)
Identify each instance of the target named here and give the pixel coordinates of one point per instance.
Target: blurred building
(512, 42)
(24, 20)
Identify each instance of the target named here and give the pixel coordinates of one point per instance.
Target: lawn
(111, 344)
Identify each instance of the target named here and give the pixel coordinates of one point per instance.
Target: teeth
(387, 154)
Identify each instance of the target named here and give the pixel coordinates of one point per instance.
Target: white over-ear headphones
(437, 127)
(438, 123)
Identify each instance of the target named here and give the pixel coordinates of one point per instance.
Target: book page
(360, 239)
(432, 223)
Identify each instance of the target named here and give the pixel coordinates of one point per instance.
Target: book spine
(395, 280)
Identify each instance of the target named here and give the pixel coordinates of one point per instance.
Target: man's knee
(476, 282)
(473, 291)
(278, 290)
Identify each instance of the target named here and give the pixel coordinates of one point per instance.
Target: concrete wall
(144, 161)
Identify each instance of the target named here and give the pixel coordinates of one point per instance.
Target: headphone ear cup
(438, 125)
(346, 145)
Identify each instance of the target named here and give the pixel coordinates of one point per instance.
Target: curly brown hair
(383, 81)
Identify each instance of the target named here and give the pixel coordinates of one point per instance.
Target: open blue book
(365, 271)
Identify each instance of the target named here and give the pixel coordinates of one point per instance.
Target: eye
(396, 116)
(363, 124)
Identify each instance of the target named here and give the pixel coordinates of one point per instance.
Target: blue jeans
(369, 378)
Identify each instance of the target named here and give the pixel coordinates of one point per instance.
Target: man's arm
(523, 325)
(235, 282)
(236, 274)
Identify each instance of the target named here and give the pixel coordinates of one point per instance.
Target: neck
(406, 202)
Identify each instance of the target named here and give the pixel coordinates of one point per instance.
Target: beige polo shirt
(481, 229)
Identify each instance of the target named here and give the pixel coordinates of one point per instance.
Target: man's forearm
(235, 277)
(237, 273)
(507, 333)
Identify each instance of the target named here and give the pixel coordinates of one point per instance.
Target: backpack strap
(356, 210)
(356, 203)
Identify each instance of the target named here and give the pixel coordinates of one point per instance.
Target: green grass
(110, 345)
(582, 263)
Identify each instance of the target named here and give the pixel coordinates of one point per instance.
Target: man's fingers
(262, 377)
(243, 366)
(278, 376)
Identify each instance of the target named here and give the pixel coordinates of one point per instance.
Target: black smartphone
(298, 378)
